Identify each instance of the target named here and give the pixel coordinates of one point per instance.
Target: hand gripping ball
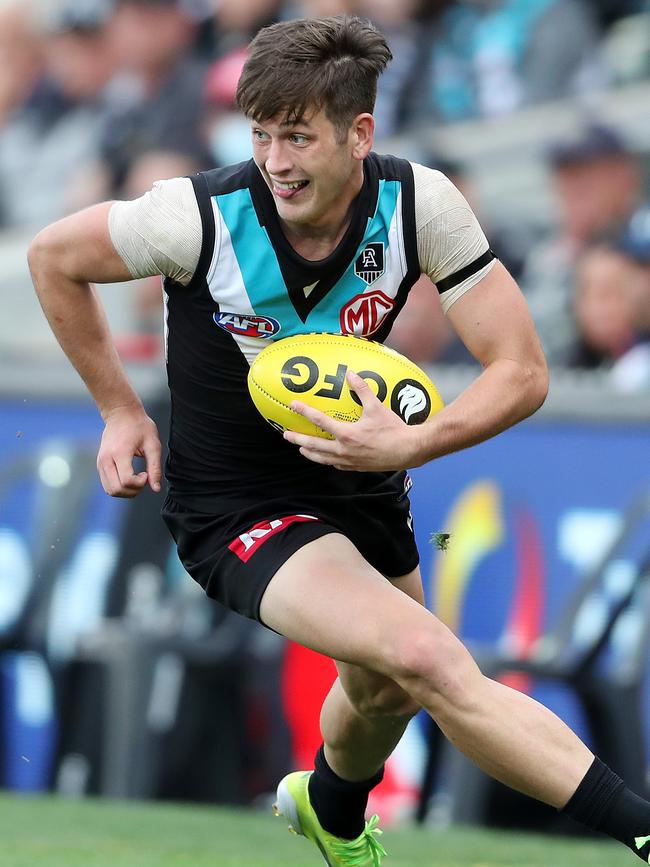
(312, 368)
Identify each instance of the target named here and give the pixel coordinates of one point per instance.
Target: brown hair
(311, 64)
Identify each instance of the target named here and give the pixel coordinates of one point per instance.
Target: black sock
(339, 804)
(603, 802)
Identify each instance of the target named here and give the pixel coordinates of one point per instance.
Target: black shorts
(234, 556)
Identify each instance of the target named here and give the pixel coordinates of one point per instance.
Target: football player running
(311, 536)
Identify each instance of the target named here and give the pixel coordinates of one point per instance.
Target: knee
(435, 668)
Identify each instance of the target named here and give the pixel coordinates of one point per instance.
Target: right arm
(64, 258)
(159, 233)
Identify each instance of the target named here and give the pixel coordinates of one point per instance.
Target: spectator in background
(632, 372)
(405, 37)
(317, 8)
(605, 303)
(157, 103)
(634, 243)
(237, 21)
(226, 131)
(608, 306)
(58, 126)
(491, 57)
(610, 11)
(20, 57)
(598, 183)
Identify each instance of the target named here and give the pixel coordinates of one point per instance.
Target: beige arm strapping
(159, 233)
(449, 236)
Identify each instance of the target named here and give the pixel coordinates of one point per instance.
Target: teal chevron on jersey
(260, 270)
(256, 259)
(327, 316)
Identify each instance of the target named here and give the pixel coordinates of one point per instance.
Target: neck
(316, 240)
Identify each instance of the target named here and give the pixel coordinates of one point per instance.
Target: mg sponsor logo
(245, 325)
(364, 313)
(246, 544)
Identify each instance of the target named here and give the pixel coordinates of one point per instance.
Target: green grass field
(47, 832)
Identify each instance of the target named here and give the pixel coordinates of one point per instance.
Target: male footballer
(279, 245)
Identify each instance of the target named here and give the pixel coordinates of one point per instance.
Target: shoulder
(168, 204)
(434, 190)
(159, 232)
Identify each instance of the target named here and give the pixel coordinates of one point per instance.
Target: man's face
(604, 300)
(311, 173)
(595, 195)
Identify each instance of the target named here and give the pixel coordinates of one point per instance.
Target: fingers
(315, 416)
(131, 482)
(300, 439)
(323, 458)
(110, 479)
(359, 386)
(118, 477)
(362, 390)
(128, 435)
(152, 455)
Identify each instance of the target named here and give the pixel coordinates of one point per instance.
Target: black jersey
(251, 286)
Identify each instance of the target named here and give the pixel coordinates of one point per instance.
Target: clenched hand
(380, 440)
(129, 432)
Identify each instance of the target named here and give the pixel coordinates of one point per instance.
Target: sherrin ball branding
(312, 368)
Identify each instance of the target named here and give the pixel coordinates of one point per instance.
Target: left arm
(493, 321)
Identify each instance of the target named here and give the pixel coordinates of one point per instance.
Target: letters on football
(312, 368)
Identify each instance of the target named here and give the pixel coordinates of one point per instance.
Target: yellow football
(312, 368)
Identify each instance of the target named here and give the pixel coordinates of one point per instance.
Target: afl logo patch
(245, 325)
(369, 264)
(410, 401)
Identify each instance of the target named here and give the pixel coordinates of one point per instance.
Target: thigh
(361, 685)
(329, 598)
(233, 556)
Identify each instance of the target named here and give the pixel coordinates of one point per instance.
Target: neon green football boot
(293, 803)
(640, 842)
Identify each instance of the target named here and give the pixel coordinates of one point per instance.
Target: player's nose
(278, 161)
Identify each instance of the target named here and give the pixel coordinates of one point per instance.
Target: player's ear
(363, 131)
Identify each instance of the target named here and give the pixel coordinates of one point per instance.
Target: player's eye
(259, 135)
(299, 139)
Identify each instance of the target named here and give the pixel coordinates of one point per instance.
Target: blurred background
(117, 677)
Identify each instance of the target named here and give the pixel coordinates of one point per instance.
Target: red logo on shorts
(246, 544)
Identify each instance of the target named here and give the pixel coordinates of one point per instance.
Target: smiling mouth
(288, 190)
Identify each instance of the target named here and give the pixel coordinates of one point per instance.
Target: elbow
(40, 250)
(46, 258)
(538, 384)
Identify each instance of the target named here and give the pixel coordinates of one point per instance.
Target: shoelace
(640, 843)
(355, 852)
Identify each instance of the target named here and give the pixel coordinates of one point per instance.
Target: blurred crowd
(99, 98)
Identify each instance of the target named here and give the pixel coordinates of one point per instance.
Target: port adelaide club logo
(369, 264)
